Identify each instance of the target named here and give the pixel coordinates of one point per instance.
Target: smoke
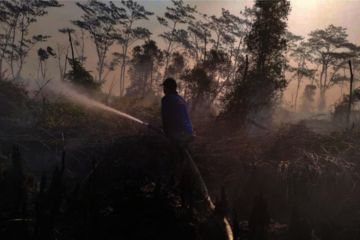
(70, 93)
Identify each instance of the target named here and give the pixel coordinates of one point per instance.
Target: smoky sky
(305, 16)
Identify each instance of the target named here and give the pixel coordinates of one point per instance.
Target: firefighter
(175, 117)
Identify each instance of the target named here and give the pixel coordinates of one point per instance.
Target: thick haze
(306, 15)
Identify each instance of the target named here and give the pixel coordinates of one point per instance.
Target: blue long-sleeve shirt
(175, 117)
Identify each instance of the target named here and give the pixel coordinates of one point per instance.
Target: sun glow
(307, 4)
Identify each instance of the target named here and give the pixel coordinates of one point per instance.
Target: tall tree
(229, 31)
(76, 43)
(44, 55)
(81, 77)
(16, 18)
(263, 77)
(199, 84)
(98, 21)
(127, 33)
(299, 56)
(177, 64)
(143, 71)
(175, 16)
(223, 27)
(62, 59)
(61, 52)
(330, 50)
(301, 70)
(78, 75)
(266, 41)
(199, 39)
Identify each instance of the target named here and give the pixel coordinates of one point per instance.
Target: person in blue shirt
(175, 117)
(177, 127)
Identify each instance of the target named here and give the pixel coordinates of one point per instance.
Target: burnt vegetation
(273, 169)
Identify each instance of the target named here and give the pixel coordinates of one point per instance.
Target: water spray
(73, 95)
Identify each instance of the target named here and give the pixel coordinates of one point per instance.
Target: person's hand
(194, 134)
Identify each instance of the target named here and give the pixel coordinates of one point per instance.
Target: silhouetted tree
(341, 108)
(144, 66)
(78, 75)
(226, 28)
(81, 77)
(177, 64)
(62, 56)
(76, 43)
(330, 50)
(43, 56)
(17, 16)
(199, 39)
(198, 84)
(126, 33)
(174, 16)
(98, 21)
(42, 69)
(300, 54)
(218, 64)
(228, 44)
(216, 44)
(265, 79)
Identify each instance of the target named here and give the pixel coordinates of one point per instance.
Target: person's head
(169, 86)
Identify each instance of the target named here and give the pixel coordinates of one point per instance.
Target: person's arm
(164, 115)
(185, 119)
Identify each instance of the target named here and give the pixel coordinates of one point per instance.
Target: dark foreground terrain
(68, 173)
(133, 191)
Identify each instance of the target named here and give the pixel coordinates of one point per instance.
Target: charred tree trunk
(72, 53)
(322, 99)
(350, 95)
(297, 91)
